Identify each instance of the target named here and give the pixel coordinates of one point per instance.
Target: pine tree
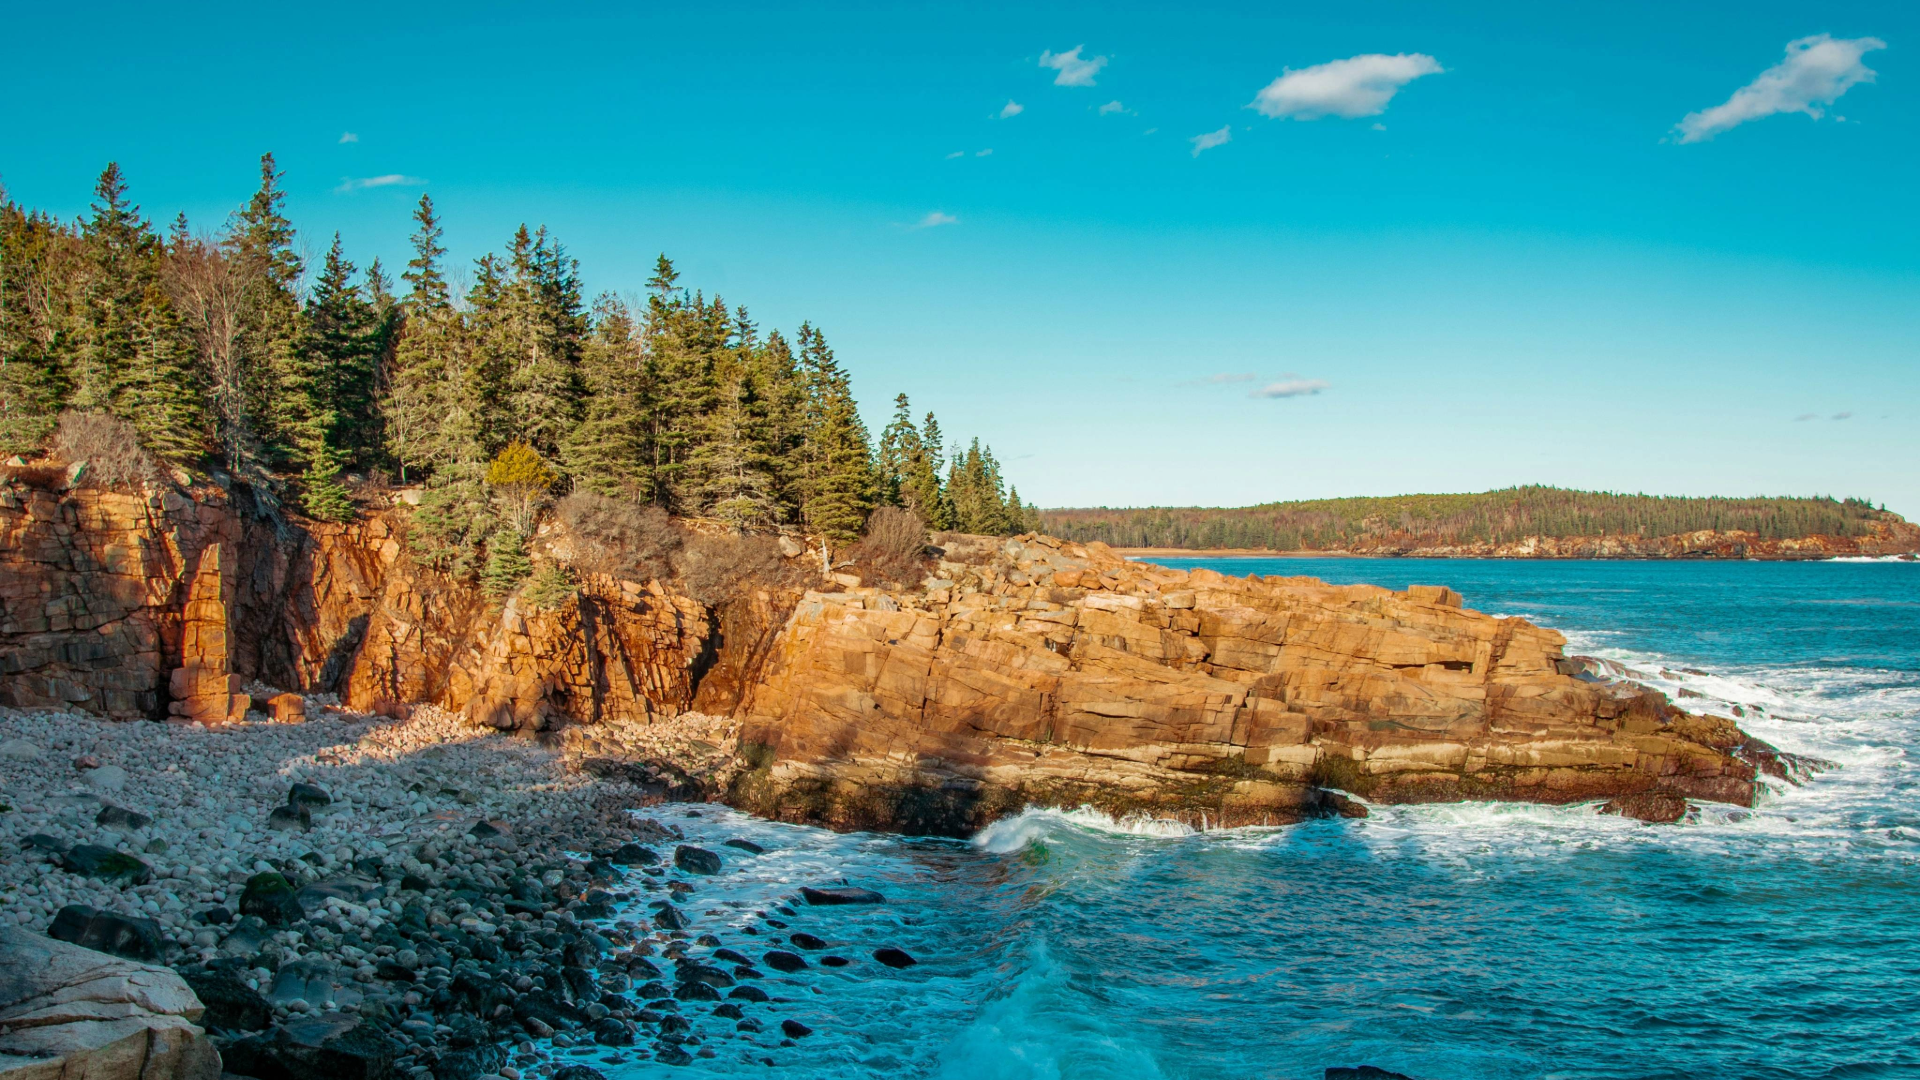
(413, 408)
(607, 452)
(899, 447)
(260, 241)
(33, 335)
(330, 381)
(539, 327)
(837, 484)
(927, 486)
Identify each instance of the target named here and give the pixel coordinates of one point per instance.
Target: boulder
(308, 795)
(271, 897)
(106, 864)
(634, 855)
(289, 818)
(68, 1013)
(695, 860)
(115, 817)
(287, 708)
(1650, 806)
(231, 1005)
(322, 1048)
(121, 935)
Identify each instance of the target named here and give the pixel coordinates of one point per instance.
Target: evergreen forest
(1411, 521)
(230, 355)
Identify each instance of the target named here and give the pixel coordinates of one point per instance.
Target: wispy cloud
(348, 136)
(1011, 109)
(1843, 416)
(983, 153)
(1223, 378)
(1816, 71)
(1290, 388)
(934, 219)
(956, 154)
(1112, 107)
(1355, 87)
(389, 180)
(1805, 416)
(1071, 68)
(1212, 139)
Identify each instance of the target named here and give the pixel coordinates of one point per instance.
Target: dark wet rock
(835, 961)
(1334, 804)
(787, 911)
(730, 956)
(135, 939)
(1364, 1072)
(1649, 806)
(795, 1029)
(289, 818)
(785, 961)
(548, 1008)
(581, 983)
(708, 940)
(232, 1005)
(776, 924)
(671, 918)
(669, 1055)
(748, 1024)
(634, 855)
(746, 971)
(747, 846)
(104, 863)
(271, 897)
(641, 967)
(806, 941)
(695, 991)
(214, 916)
(323, 1048)
(611, 1032)
(578, 1072)
(308, 795)
(747, 993)
(730, 1011)
(653, 991)
(845, 894)
(470, 1062)
(116, 817)
(696, 860)
(894, 958)
(45, 844)
(313, 898)
(675, 1023)
(392, 972)
(712, 976)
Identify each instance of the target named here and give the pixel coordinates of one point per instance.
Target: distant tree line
(221, 352)
(1434, 520)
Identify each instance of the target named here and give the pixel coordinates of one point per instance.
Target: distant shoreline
(1263, 553)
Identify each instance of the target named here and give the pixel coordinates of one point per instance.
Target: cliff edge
(1020, 672)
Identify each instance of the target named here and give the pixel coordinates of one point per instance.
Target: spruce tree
(260, 241)
(607, 452)
(33, 337)
(419, 380)
(899, 448)
(330, 380)
(837, 486)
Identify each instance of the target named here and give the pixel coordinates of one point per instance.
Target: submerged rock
(1364, 1072)
(1649, 806)
(785, 961)
(845, 894)
(696, 860)
(894, 958)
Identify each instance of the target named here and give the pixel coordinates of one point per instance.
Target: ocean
(1455, 942)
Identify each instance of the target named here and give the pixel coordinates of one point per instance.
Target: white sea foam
(1011, 834)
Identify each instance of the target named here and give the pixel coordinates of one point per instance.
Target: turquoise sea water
(1456, 942)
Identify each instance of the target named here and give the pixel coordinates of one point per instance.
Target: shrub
(893, 549)
(522, 478)
(447, 528)
(507, 563)
(619, 538)
(715, 569)
(550, 587)
(110, 447)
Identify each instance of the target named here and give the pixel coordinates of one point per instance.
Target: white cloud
(955, 154)
(1817, 70)
(1354, 87)
(1011, 109)
(389, 180)
(1287, 388)
(1805, 416)
(1212, 139)
(1223, 378)
(935, 218)
(1843, 416)
(1379, 127)
(348, 136)
(984, 153)
(1073, 71)
(1112, 107)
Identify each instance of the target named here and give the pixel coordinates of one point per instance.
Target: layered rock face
(1041, 672)
(70, 1012)
(160, 606)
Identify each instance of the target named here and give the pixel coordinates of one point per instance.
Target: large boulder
(122, 935)
(68, 1013)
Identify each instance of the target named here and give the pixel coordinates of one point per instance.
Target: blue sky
(1467, 245)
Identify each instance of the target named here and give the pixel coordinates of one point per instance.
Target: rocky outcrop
(1040, 672)
(161, 605)
(1029, 672)
(70, 1012)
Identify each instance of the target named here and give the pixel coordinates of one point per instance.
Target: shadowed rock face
(1025, 672)
(1042, 672)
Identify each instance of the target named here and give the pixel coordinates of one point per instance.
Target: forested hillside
(224, 351)
(1494, 517)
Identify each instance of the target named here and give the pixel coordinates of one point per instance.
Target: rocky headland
(382, 824)
(1884, 539)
